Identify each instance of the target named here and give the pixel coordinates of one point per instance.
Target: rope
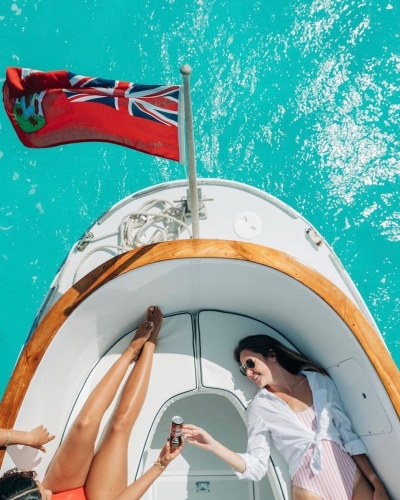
(131, 233)
(134, 226)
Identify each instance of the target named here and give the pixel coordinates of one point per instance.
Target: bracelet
(8, 439)
(159, 464)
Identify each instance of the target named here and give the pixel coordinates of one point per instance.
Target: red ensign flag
(58, 107)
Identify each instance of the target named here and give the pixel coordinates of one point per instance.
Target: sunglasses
(248, 364)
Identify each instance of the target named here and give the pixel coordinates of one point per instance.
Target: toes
(148, 325)
(153, 312)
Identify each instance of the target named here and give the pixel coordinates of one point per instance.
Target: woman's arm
(250, 465)
(350, 440)
(366, 468)
(35, 438)
(136, 490)
(353, 444)
(200, 438)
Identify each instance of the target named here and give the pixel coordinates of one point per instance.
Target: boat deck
(234, 212)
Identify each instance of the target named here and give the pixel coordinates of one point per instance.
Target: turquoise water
(299, 98)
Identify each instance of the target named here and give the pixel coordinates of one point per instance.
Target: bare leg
(108, 473)
(71, 463)
(302, 494)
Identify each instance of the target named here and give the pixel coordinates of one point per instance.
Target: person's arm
(200, 438)
(250, 465)
(350, 440)
(354, 445)
(136, 490)
(366, 468)
(35, 438)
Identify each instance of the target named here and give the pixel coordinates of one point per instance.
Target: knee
(120, 422)
(84, 422)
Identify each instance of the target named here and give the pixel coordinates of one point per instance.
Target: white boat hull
(213, 293)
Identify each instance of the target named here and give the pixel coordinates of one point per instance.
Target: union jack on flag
(152, 102)
(148, 118)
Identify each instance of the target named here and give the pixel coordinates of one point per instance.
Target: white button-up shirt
(269, 417)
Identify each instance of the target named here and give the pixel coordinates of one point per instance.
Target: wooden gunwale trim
(186, 249)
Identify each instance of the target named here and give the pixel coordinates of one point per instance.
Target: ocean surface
(298, 98)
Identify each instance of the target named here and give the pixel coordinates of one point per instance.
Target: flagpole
(191, 159)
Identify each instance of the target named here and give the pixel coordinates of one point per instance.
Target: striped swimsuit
(336, 479)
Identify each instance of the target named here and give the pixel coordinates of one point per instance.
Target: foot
(155, 316)
(142, 335)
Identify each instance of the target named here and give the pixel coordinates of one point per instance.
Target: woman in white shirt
(299, 409)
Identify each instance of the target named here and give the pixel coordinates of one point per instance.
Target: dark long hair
(267, 346)
(19, 485)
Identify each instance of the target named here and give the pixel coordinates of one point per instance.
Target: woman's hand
(167, 454)
(198, 436)
(380, 492)
(39, 436)
(366, 468)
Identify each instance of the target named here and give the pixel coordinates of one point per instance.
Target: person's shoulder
(259, 400)
(259, 408)
(318, 380)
